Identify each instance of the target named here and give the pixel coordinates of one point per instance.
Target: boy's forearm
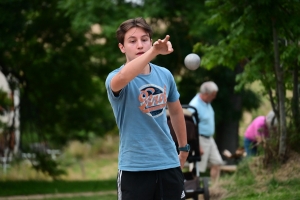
(136, 66)
(131, 70)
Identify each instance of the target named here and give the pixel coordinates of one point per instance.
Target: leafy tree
(62, 50)
(256, 30)
(61, 94)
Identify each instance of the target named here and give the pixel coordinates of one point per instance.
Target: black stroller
(193, 185)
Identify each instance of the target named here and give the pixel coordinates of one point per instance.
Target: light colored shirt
(206, 116)
(258, 127)
(140, 112)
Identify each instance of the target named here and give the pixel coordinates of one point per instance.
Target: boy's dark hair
(130, 23)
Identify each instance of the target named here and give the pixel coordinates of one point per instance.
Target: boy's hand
(182, 158)
(164, 46)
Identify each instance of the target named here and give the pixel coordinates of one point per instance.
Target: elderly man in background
(211, 156)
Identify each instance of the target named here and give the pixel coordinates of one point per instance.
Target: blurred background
(56, 121)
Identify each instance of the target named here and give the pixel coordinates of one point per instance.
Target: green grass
(9, 188)
(248, 183)
(274, 190)
(96, 197)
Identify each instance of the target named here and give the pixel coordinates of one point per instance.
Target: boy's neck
(146, 70)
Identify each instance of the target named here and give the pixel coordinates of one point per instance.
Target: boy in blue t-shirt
(139, 92)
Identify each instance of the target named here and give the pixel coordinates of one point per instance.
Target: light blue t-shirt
(206, 116)
(145, 140)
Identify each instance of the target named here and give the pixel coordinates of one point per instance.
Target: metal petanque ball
(192, 61)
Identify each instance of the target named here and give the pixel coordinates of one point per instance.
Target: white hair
(208, 87)
(271, 120)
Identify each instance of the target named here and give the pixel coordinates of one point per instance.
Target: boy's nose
(139, 44)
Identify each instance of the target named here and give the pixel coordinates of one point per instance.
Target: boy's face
(136, 42)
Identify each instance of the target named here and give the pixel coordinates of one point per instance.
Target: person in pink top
(257, 131)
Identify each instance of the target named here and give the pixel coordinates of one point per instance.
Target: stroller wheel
(205, 188)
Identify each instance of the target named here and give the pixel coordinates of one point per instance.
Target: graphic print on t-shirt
(152, 99)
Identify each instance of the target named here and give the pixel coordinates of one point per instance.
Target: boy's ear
(121, 47)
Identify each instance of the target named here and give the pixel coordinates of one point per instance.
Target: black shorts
(165, 184)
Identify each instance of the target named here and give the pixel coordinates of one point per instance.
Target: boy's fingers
(166, 39)
(170, 48)
(166, 42)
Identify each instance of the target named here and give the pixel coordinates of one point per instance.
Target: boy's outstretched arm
(136, 66)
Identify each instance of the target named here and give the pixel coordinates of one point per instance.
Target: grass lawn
(271, 190)
(96, 197)
(9, 188)
(249, 182)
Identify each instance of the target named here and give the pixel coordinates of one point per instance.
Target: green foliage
(250, 31)
(6, 106)
(61, 94)
(5, 101)
(45, 164)
(249, 36)
(61, 66)
(61, 60)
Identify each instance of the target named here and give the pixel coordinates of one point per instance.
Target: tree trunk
(227, 132)
(281, 95)
(227, 137)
